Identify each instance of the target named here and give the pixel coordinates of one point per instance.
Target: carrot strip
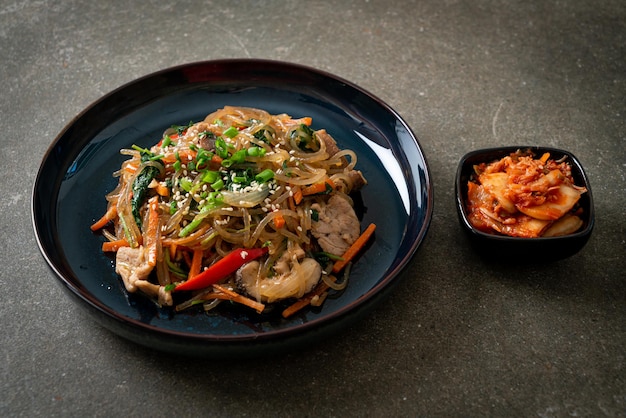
(297, 194)
(110, 214)
(306, 299)
(162, 190)
(196, 263)
(131, 166)
(184, 155)
(152, 233)
(306, 120)
(319, 187)
(113, 246)
(236, 297)
(354, 248)
(544, 157)
(279, 221)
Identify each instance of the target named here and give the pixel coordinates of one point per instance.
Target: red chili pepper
(222, 268)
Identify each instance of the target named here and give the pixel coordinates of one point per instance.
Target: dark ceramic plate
(76, 172)
(524, 249)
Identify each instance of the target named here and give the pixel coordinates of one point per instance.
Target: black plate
(76, 172)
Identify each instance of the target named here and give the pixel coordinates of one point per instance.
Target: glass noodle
(241, 179)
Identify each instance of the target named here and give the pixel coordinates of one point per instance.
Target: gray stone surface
(459, 336)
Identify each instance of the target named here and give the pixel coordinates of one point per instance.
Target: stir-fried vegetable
(236, 207)
(140, 185)
(225, 266)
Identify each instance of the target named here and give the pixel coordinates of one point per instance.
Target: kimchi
(524, 196)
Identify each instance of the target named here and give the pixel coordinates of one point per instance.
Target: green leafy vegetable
(143, 179)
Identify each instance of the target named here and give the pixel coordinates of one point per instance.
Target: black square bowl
(506, 248)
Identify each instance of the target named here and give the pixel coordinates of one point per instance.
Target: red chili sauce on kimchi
(523, 196)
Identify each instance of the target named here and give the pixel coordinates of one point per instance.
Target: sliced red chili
(222, 268)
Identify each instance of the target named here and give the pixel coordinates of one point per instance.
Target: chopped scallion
(264, 176)
(231, 132)
(210, 176)
(218, 184)
(256, 151)
(185, 184)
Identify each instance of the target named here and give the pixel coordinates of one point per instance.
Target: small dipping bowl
(541, 249)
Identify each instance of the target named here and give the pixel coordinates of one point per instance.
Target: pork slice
(132, 264)
(337, 227)
(329, 141)
(355, 182)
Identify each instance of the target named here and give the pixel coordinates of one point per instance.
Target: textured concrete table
(459, 336)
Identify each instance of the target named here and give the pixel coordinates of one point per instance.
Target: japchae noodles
(243, 206)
